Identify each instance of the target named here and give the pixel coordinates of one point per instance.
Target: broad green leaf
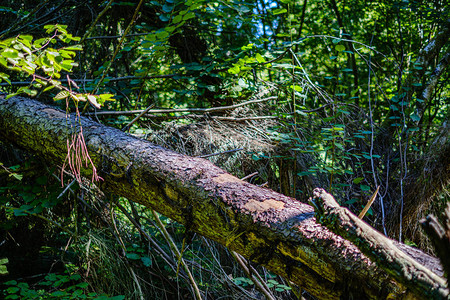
(259, 58)
(10, 53)
(177, 19)
(340, 48)
(188, 16)
(234, 70)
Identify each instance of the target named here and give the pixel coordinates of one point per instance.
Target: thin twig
(154, 244)
(115, 79)
(21, 20)
(67, 188)
(175, 110)
(260, 284)
(137, 118)
(116, 51)
(108, 5)
(116, 36)
(218, 153)
(178, 254)
(249, 176)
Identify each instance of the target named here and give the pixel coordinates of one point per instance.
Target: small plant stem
(178, 255)
(257, 280)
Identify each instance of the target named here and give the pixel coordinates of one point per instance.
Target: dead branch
(378, 247)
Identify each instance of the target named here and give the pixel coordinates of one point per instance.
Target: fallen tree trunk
(266, 227)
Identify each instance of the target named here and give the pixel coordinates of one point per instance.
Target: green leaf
(3, 269)
(167, 8)
(147, 261)
(16, 176)
(75, 277)
(164, 17)
(339, 48)
(364, 188)
(61, 95)
(58, 294)
(133, 256)
(415, 117)
(259, 58)
(279, 11)
(242, 83)
(243, 9)
(188, 16)
(162, 34)
(12, 290)
(234, 70)
(120, 297)
(83, 285)
(10, 53)
(177, 19)
(357, 180)
(284, 66)
(77, 47)
(5, 77)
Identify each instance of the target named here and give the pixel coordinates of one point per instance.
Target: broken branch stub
(378, 247)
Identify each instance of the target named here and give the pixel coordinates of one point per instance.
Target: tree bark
(266, 227)
(440, 236)
(379, 248)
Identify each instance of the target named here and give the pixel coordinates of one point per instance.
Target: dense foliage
(360, 100)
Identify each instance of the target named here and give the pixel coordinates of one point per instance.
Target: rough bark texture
(440, 236)
(379, 248)
(266, 227)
